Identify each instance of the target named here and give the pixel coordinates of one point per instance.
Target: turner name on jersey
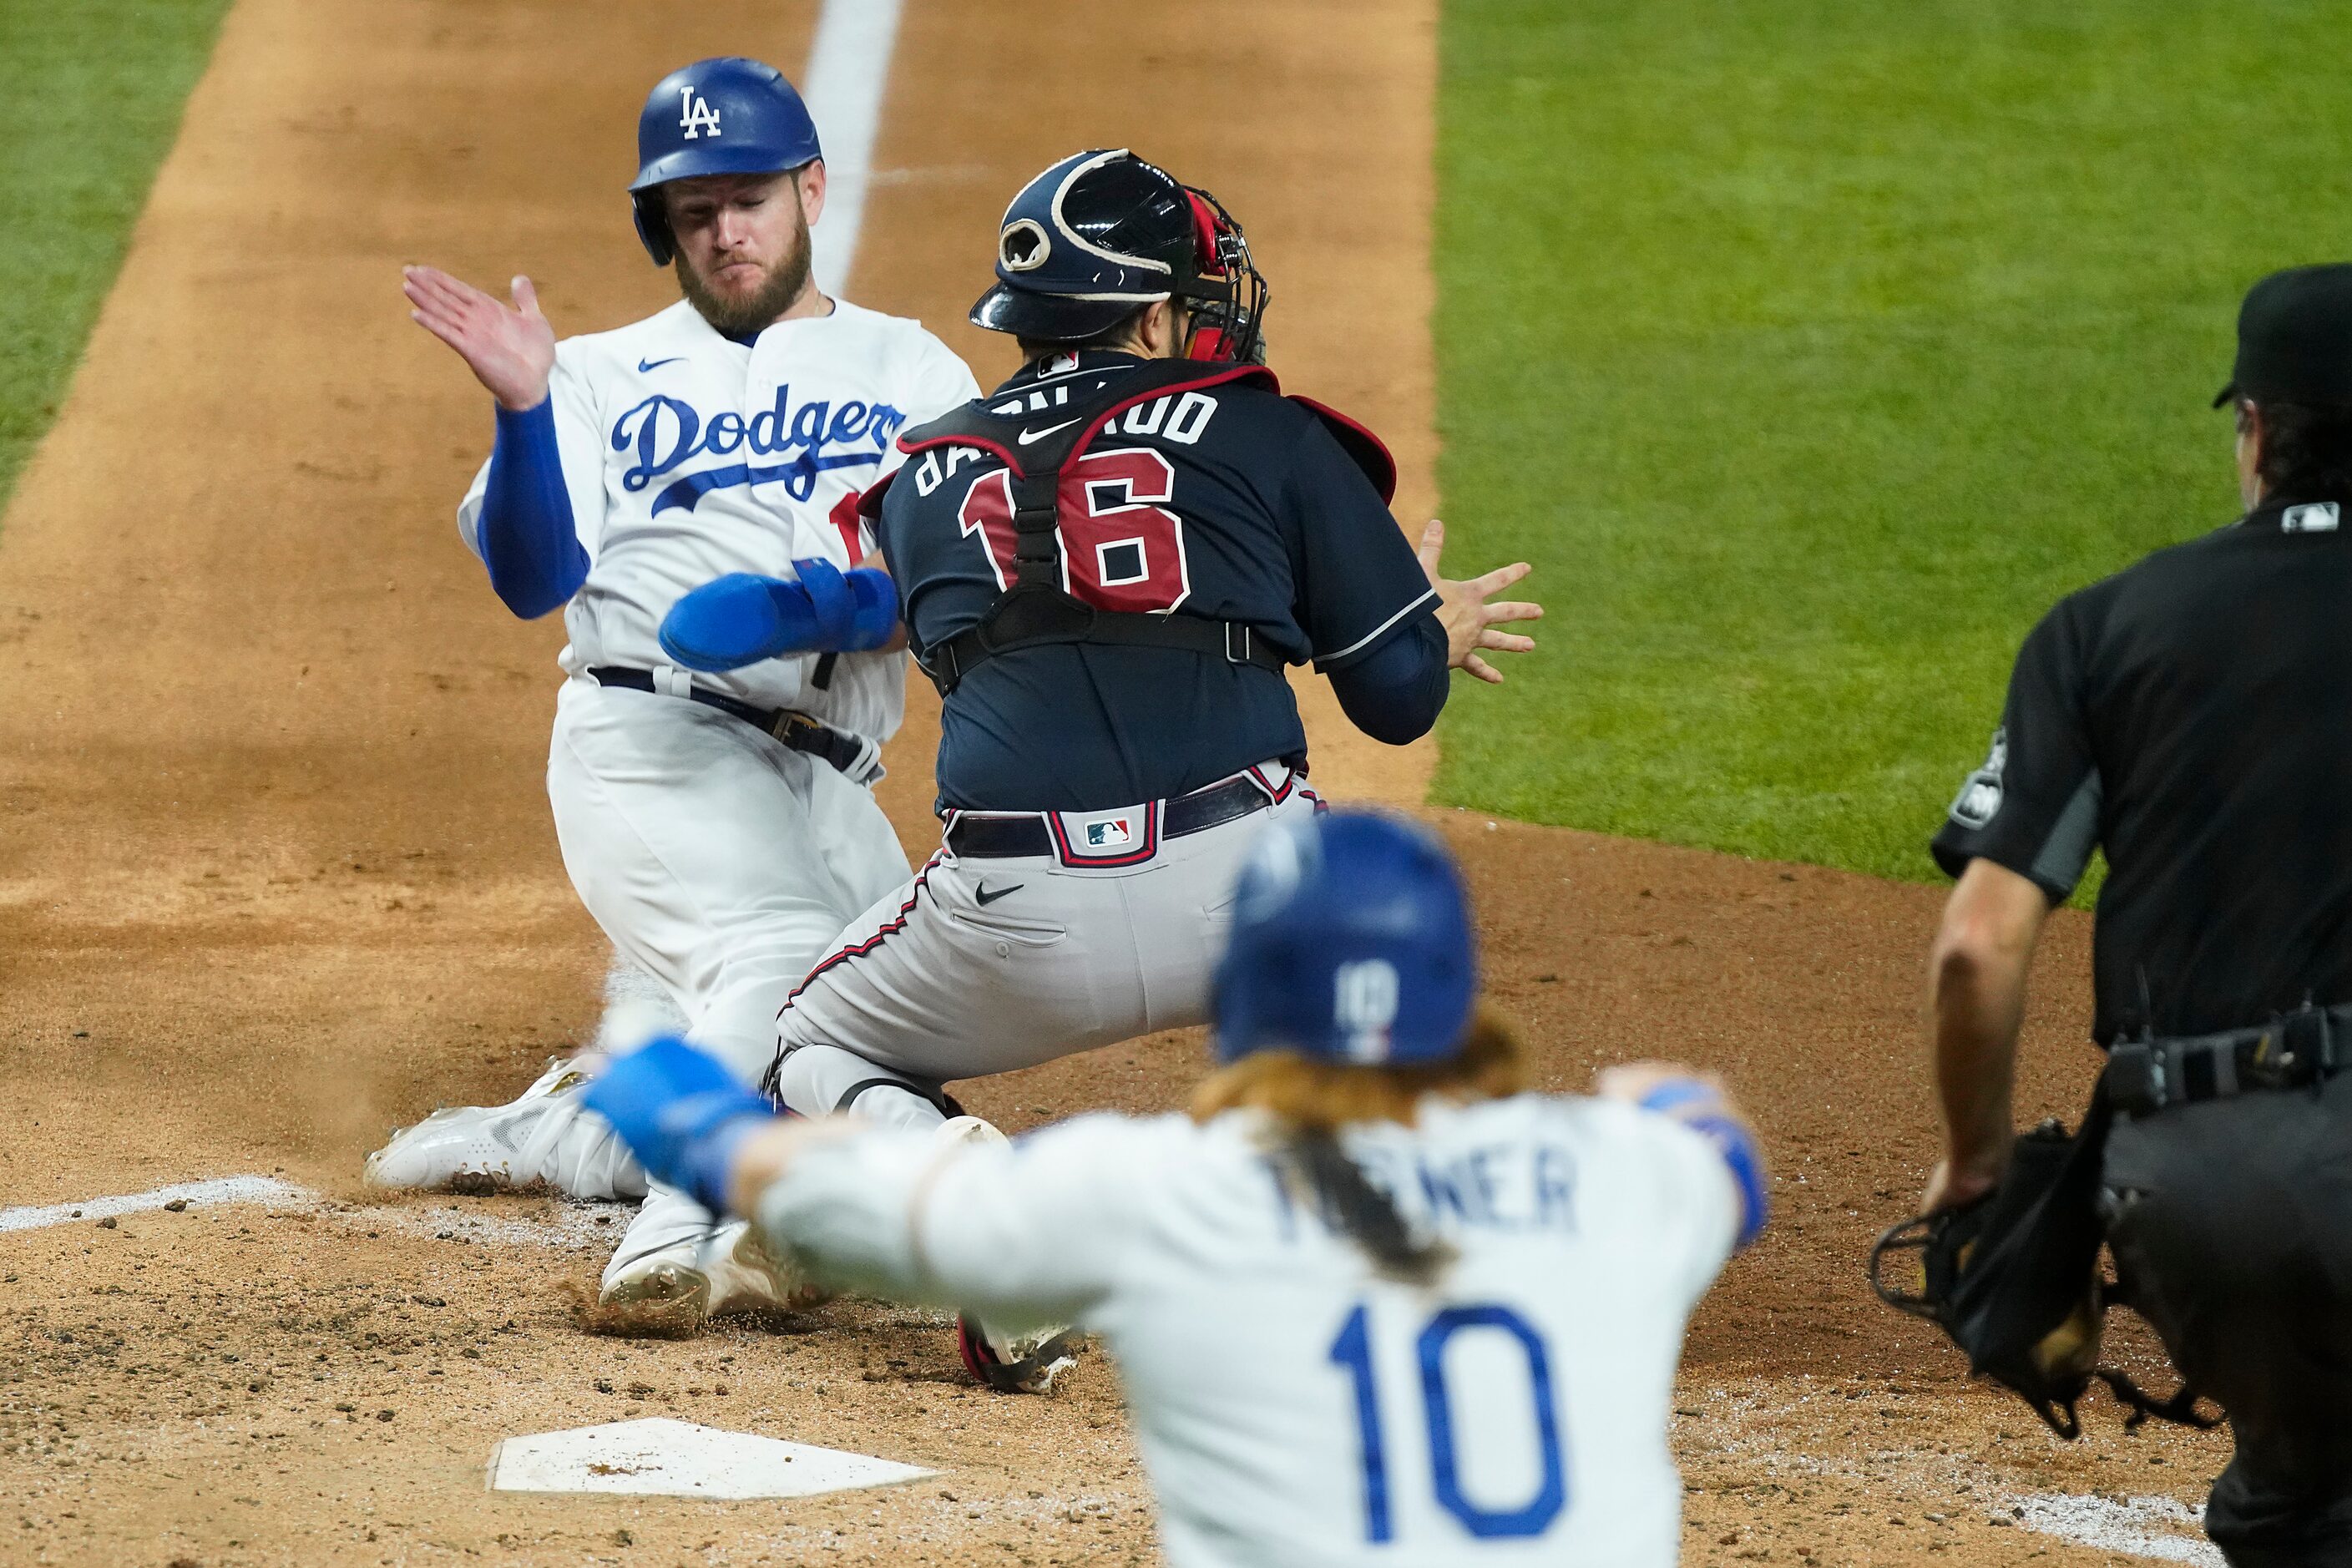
(687, 455)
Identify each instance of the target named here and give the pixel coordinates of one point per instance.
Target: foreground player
(1372, 1303)
(721, 830)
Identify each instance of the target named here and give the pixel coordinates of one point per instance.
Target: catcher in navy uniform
(2193, 717)
(1105, 565)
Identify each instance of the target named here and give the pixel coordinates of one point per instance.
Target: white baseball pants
(984, 965)
(718, 859)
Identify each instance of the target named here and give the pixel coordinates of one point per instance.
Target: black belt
(797, 729)
(1234, 641)
(2144, 1077)
(1003, 838)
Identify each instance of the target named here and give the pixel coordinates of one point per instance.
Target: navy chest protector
(1038, 442)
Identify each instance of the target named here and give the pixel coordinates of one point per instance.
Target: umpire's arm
(1976, 1003)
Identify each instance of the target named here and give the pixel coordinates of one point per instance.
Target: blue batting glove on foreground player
(741, 618)
(682, 1115)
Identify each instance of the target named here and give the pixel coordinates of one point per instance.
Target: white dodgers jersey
(1294, 1408)
(688, 456)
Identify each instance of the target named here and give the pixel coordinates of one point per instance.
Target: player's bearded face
(742, 248)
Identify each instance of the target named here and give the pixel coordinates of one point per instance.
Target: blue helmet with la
(727, 115)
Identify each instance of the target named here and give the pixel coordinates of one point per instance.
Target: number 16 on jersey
(1443, 1414)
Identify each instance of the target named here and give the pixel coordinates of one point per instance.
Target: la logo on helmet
(696, 115)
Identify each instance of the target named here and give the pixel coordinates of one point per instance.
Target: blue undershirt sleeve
(1394, 692)
(527, 535)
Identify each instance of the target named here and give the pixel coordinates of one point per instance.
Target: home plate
(660, 1457)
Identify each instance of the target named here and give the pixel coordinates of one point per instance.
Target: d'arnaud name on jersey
(667, 432)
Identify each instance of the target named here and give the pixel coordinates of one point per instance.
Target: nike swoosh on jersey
(645, 365)
(1028, 435)
(982, 897)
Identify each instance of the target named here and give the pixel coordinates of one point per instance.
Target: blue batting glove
(856, 611)
(681, 1113)
(739, 619)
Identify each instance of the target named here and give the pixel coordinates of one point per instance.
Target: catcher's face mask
(1226, 294)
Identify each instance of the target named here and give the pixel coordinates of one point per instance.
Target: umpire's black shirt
(2193, 717)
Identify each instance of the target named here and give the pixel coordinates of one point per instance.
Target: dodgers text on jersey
(668, 432)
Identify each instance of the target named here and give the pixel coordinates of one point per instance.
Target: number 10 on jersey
(1353, 1351)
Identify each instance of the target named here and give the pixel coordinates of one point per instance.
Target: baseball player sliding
(720, 827)
(1371, 1303)
(1106, 565)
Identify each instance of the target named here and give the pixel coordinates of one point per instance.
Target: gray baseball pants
(987, 965)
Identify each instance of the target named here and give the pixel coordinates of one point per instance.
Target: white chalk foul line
(2155, 1527)
(222, 1190)
(575, 1225)
(849, 69)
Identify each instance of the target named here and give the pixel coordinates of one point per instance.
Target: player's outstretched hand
(1469, 614)
(510, 349)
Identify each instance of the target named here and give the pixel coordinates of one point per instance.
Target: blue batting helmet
(722, 116)
(1351, 943)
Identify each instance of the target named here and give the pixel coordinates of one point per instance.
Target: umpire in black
(2192, 716)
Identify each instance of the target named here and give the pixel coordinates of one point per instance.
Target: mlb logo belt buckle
(1127, 837)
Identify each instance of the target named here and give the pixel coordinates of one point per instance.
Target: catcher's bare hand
(1469, 619)
(510, 349)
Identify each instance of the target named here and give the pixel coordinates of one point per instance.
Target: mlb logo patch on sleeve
(1979, 799)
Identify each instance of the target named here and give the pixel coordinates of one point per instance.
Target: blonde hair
(1325, 1096)
(1310, 1101)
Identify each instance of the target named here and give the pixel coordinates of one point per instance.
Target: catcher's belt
(984, 835)
(2015, 1278)
(2144, 1077)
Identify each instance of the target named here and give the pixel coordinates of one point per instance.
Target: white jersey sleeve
(1678, 1176)
(1029, 1233)
(577, 443)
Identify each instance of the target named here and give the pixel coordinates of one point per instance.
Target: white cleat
(747, 1276)
(543, 1137)
(1007, 1361)
(675, 1269)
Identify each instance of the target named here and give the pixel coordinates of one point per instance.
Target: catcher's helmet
(1103, 232)
(1351, 943)
(722, 116)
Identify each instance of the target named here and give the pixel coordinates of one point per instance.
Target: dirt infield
(281, 873)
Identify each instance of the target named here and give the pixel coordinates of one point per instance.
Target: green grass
(90, 92)
(1812, 348)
